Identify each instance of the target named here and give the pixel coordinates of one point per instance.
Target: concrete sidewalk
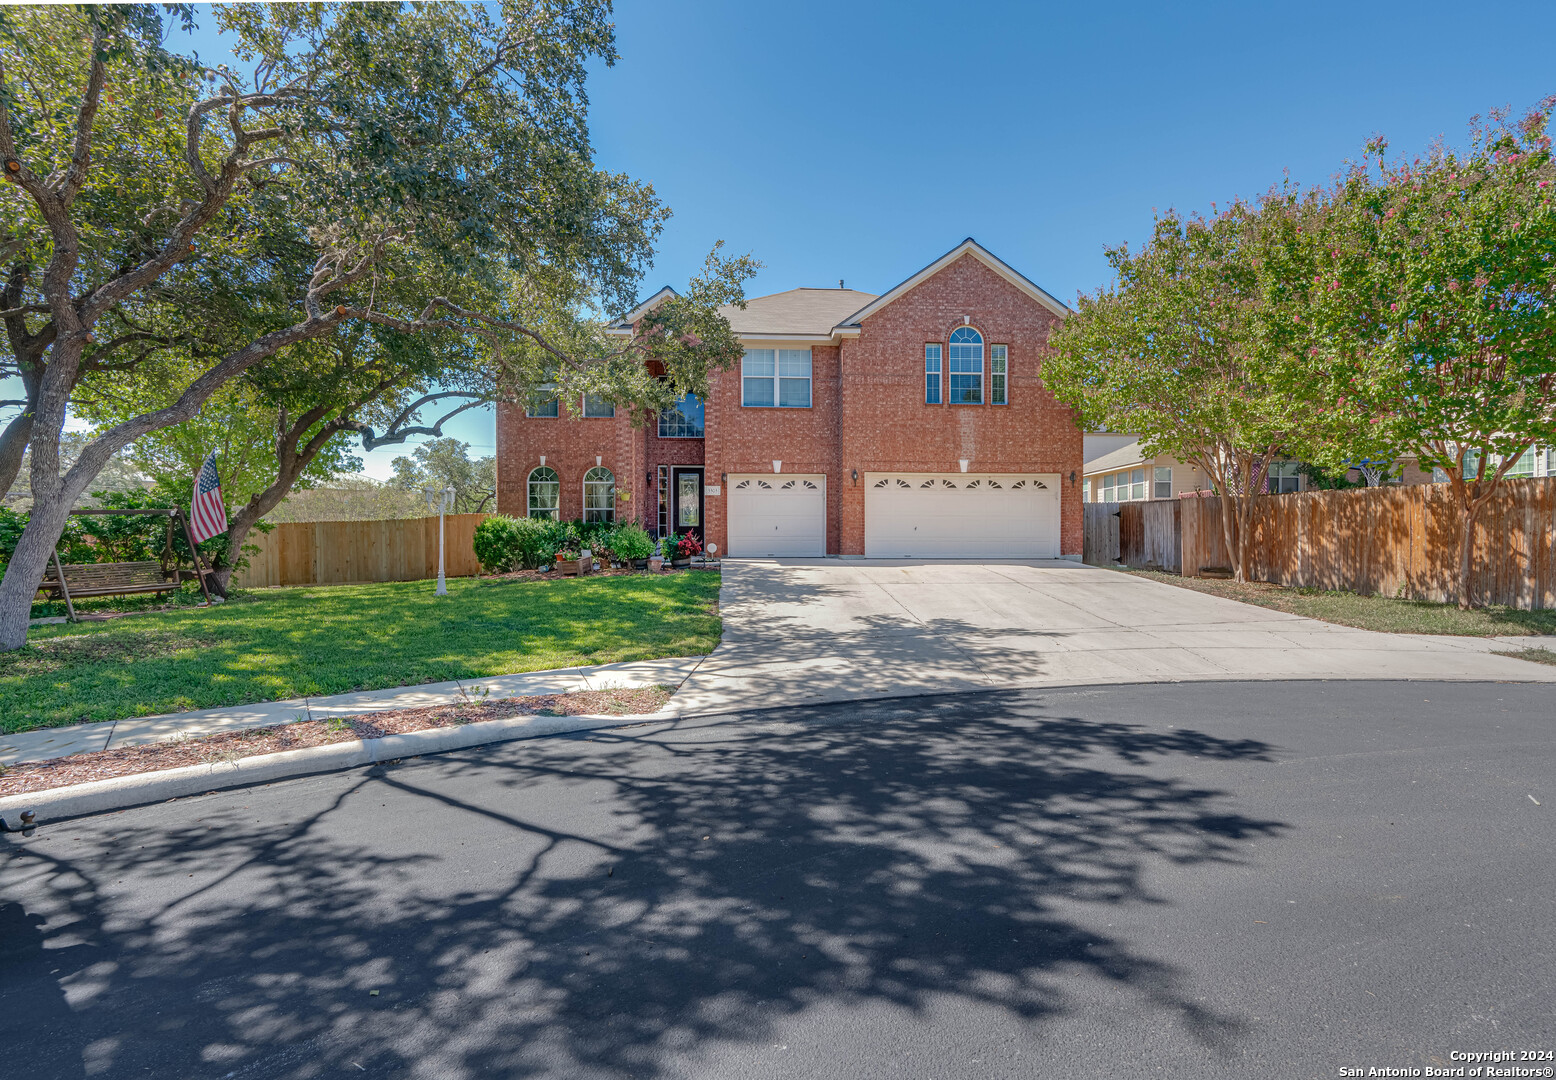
(810, 631)
(110, 734)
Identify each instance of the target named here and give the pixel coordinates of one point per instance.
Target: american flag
(207, 515)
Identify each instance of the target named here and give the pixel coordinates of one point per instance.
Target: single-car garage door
(961, 515)
(777, 515)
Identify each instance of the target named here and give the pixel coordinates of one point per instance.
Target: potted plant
(685, 548)
(632, 545)
(567, 562)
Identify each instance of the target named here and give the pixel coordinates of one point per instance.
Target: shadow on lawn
(623, 903)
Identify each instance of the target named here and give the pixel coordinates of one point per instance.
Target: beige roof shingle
(801, 311)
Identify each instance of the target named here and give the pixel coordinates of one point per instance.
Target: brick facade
(867, 414)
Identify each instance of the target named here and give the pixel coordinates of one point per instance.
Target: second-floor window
(597, 407)
(966, 366)
(775, 378)
(999, 361)
(683, 420)
(542, 402)
(932, 374)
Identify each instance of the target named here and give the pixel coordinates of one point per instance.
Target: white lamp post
(442, 502)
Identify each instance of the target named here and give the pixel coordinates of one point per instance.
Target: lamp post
(442, 502)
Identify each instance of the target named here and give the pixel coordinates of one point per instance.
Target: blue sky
(862, 140)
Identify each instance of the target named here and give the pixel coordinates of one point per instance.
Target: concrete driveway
(806, 631)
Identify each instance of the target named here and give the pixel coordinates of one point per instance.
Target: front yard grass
(295, 642)
(1381, 613)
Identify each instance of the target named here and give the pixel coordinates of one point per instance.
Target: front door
(686, 501)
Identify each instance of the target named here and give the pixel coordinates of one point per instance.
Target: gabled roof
(966, 247)
(1125, 457)
(797, 313)
(624, 324)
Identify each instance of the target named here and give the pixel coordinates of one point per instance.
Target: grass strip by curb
(1385, 614)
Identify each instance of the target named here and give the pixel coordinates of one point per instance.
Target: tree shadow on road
(623, 903)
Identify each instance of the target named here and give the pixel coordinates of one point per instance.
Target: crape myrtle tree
(432, 160)
(1197, 348)
(1435, 309)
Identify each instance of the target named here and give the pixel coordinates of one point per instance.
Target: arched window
(545, 493)
(599, 495)
(966, 374)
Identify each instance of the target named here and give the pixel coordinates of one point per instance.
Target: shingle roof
(1122, 458)
(799, 311)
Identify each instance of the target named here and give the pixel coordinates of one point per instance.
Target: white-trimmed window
(932, 374)
(775, 378)
(1285, 477)
(966, 374)
(597, 408)
(1161, 482)
(542, 402)
(1136, 485)
(599, 494)
(999, 362)
(545, 493)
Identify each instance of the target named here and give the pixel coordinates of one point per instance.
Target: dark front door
(686, 501)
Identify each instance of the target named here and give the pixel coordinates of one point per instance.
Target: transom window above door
(775, 378)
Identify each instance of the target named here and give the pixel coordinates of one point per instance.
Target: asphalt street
(1192, 880)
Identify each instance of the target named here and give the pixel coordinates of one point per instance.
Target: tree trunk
(13, 446)
(1229, 533)
(1469, 514)
(26, 568)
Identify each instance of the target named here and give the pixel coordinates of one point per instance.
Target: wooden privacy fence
(337, 552)
(1397, 541)
(1138, 534)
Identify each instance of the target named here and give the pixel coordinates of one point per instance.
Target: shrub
(496, 543)
(631, 542)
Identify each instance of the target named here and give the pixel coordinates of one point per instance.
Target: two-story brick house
(910, 424)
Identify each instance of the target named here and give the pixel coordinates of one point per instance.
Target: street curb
(124, 792)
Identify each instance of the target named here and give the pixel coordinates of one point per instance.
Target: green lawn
(281, 643)
(1371, 612)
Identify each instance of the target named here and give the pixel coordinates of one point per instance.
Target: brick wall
(887, 427)
(742, 440)
(867, 413)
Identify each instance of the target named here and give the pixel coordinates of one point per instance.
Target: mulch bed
(229, 746)
(598, 571)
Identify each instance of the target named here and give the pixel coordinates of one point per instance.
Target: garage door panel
(962, 516)
(777, 515)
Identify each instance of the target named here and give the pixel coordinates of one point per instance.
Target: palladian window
(966, 374)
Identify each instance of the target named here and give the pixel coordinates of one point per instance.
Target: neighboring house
(914, 423)
(1536, 461)
(1117, 471)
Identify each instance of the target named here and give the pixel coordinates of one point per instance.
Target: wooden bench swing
(69, 580)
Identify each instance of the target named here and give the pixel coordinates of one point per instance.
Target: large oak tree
(424, 169)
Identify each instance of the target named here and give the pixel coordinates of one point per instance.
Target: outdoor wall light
(1072, 477)
(856, 475)
(723, 478)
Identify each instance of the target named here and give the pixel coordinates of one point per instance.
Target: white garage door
(961, 515)
(777, 515)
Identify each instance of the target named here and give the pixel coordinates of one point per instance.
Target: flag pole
(194, 551)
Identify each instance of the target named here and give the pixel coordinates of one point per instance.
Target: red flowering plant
(687, 546)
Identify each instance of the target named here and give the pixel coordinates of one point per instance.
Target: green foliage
(298, 642)
(631, 541)
(445, 463)
(1434, 318)
(508, 543)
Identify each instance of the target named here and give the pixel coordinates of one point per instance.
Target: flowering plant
(687, 546)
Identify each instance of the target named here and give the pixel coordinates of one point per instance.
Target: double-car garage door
(961, 516)
(906, 515)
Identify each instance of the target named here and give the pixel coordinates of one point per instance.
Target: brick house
(914, 423)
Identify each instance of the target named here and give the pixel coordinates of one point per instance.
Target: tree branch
(81, 152)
